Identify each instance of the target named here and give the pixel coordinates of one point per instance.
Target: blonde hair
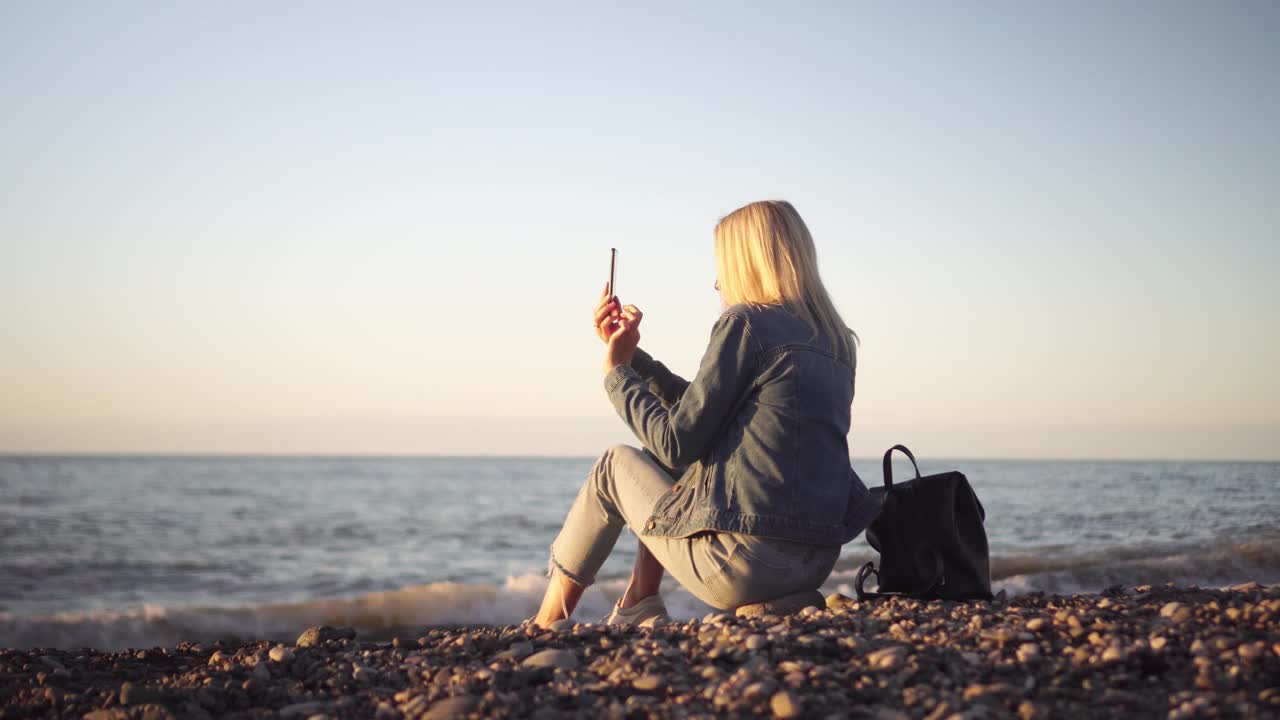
(765, 256)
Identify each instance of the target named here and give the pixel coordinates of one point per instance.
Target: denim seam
(653, 505)
(552, 563)
(621, 372)
(719, 573)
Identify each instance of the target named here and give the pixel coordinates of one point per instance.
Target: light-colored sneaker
(649, 612)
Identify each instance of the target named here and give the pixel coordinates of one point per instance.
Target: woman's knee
(621, 452)
(612, 456)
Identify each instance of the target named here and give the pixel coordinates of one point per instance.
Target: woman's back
(764, 427)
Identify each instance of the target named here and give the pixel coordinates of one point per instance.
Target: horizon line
(90, 454)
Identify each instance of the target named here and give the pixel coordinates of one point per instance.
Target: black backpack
(930, 537)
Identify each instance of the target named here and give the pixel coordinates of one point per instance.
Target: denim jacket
(763, 428)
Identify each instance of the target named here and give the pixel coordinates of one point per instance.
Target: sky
(380, 228)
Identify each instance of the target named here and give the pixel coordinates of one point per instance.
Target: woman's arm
(681, 433)
(662, 382)
(668, 386)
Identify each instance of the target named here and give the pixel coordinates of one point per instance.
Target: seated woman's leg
(621, 490)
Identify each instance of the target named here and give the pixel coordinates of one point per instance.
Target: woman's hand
(624, 338)
(606, 316)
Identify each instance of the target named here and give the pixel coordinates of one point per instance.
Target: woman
(768, 495)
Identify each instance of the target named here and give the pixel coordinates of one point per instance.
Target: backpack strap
(870, 569)
(888, 464)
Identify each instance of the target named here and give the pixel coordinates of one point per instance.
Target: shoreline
(1148, 652)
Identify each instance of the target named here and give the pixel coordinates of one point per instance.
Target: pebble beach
(1167, 652)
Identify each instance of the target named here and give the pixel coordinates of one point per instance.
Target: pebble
(1034, 656)
(649, 683)
(452, 707)
(305, 709)
(1028, 652)
(785, 704)
(1113, 653)
(887, 658)
(552, 657)
(320, 634)
(1176, 612)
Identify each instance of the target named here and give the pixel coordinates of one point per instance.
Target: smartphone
(613, 268)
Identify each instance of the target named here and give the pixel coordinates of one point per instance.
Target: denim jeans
(724, 570)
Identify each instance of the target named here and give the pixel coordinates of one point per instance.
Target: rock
(785, 605)
(362, 674)
(1158, 643)
(754, 642)
(887, 658)
(1251, 651)
(281, 654)
(51, 663)
(320, 634)
(131, 694)
(978, 691)
(156, 712)
(1113, 653)
(1036, 624)
(1028, 652)
(649, 683)
(1112, 696)
(386, 712)
(785, 704)
(561, 625)
(452, 707)
(517, 651)
(552, 657)
(306, 709)
(414, 706)
(1176, 612)
(836, 601)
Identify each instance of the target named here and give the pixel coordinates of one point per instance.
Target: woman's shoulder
(755, 311)
(760, 317)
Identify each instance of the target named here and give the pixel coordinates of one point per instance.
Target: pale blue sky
(381, 227)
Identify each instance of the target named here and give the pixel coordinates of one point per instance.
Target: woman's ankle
(630, 600)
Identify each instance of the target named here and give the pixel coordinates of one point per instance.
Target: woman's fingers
(633, 315)
(605, 310)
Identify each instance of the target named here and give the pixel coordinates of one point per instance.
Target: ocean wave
(381, 615)
(1227, 564)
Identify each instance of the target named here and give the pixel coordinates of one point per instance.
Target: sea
(135, 552)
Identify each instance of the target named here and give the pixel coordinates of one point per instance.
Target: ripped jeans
(724, 570)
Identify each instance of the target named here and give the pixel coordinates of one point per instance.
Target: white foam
(374, 615)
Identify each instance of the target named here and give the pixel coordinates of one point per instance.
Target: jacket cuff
(617, 376)
(642, 363)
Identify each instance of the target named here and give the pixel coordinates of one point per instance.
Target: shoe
(649, 612)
